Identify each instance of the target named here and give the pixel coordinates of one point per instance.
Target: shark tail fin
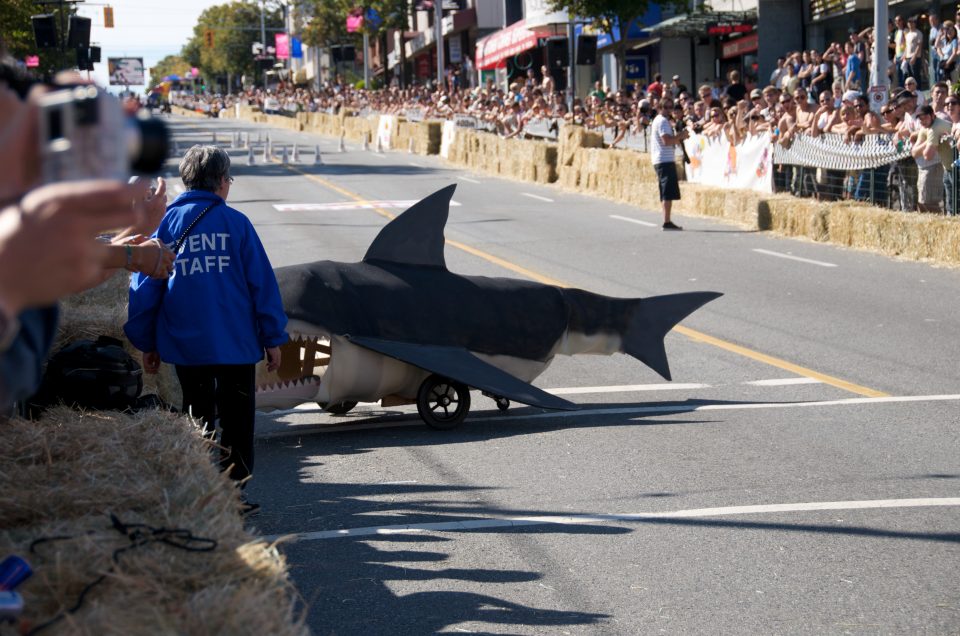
(654, 317)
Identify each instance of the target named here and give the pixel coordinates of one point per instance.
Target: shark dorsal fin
(416, 236)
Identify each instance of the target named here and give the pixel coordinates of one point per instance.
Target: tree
(395, 16)
(170, 65)
(235, 27)
(607, 14)
(16, 33)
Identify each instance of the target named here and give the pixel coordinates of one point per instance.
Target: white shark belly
(600, 343)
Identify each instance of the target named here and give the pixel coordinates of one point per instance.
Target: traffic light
(208, 38)
(108, 17)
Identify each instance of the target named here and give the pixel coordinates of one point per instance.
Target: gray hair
(204, 167)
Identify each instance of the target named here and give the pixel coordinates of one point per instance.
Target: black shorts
(667, 177)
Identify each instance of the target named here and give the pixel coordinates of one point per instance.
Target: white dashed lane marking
(537, 197)
(629, 220)
(347, 205)
(514, 522)
(795, 258)
(469, 179)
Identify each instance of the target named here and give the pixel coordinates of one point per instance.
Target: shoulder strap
(186, 232)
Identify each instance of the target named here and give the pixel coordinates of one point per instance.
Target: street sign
(636, 67)
(878, 97)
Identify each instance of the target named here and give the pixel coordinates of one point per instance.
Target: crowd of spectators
(810, 92)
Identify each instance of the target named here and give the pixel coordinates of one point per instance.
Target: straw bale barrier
(424, 134)
(525, 160)
(72, 471)
(186, 112)
(580, 162)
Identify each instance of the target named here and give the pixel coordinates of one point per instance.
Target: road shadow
(348, 584)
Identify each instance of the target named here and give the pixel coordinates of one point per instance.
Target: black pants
(227, 391)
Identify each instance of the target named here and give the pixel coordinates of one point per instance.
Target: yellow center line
(686, 331)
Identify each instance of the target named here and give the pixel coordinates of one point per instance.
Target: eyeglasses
(229, 179)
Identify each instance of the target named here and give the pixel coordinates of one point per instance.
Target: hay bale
(74, 469)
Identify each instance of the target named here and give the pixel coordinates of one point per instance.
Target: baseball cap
(756, 93)
(676, 77)
(850, 96)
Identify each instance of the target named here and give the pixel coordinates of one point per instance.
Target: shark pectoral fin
(655, 317)
(459, 364)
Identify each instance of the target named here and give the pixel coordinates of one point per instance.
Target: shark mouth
(303, 362)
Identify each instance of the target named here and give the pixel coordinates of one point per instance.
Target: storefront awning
(515, 39)
(705, 23)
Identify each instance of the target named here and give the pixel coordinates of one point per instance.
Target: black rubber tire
(443, 404)
(339, 408)
(502, 403)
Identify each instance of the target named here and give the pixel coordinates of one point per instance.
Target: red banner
(733, 48)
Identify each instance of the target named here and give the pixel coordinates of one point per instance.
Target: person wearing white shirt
(663, 143)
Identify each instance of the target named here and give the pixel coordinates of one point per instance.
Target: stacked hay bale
(190, 568)
(526, 160)
(425, 136)
(176, 560)
(360, 128)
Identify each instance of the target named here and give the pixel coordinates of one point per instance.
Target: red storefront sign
(516, 38)
(423, 66)
(733, 48)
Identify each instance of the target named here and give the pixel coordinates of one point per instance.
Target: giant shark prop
(401, 328)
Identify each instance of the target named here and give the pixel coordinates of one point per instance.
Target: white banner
(746, 166)
(388, 124)
(447, 135)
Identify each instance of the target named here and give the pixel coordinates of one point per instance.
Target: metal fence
(878, 170)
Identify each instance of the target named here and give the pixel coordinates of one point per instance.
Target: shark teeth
(312, 382)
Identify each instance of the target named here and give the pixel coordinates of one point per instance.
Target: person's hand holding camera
(47, 242)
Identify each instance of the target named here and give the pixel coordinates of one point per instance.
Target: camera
(84, 134)
(694, 124)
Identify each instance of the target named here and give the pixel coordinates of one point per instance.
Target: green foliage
(235, 27)
(16, 33)
(328, 24)
(170, 65)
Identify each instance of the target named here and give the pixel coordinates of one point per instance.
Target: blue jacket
(222, 305)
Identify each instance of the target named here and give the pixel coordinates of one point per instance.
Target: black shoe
(248, 508)
(669, 225)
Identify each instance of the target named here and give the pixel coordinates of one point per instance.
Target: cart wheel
(338, 408)
(502, 403)
(442, 403)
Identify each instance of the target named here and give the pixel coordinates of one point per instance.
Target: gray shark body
(401, 315)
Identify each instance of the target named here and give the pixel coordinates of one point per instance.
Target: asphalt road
(799, 475)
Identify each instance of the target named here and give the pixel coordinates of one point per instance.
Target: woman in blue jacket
(218, 312)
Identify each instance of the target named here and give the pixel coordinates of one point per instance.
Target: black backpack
(91, 374)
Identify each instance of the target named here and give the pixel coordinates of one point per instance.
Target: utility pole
(571, 69)
(438, 30)
(878, 64)
(263, 40)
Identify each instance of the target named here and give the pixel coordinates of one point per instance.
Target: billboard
(126, 71)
